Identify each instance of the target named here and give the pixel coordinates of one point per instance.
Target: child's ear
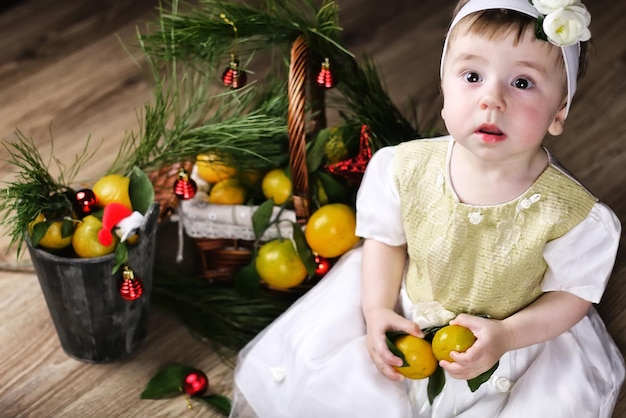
(556, 127)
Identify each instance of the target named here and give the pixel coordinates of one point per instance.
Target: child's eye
(522, 83)
(472, 77)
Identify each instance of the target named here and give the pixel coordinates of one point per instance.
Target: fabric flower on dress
(431, 314)
(564, 22)
(475, 217)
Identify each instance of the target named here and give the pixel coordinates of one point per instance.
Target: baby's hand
(380, 321)
(490, 345)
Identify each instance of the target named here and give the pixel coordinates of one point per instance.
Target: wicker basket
(222, 256)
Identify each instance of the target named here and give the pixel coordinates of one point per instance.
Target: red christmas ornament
(85, 202)
(325, 77)
(322, 265)
(352, 169)
(131, 288)
(233, 77)
(185, 187)
(195, 383)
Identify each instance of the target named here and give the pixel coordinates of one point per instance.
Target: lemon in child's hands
(279, 265)
(53, 239)
(330, 231)
(418, 353)
(85, 239)
(227, 192)
(277, 185)
(112, 188)
(452, 338)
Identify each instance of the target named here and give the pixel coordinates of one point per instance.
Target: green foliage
(34, 190)
(140, 190)
(188, 48)
(167, 383)
(217, 313)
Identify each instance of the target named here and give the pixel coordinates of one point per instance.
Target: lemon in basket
(53, 238)
(330, 231)
(277, 185)
(212, 169)
(112, 188)
(279, 265)
(85, 239)
(228, 192)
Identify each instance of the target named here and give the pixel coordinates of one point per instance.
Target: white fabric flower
(431, 314)
(568, 25)
(548, 6)
(475, 217)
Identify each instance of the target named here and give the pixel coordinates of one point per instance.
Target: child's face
(501, 97)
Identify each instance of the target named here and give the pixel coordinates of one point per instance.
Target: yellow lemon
(452, 338)
(330, 231)
(85, 239)
(419, 356)
(279, 265)
(212, 169)
(227, 192)
(277, 185)
(112, 188)
(53, 239)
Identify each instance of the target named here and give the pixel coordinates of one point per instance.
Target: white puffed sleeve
(581, 261)
(378, 214)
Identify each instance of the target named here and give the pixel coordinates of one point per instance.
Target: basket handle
(296, 128)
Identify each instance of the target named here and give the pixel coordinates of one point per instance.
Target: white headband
(570, 52)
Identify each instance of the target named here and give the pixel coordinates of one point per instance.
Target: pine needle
(34, 190)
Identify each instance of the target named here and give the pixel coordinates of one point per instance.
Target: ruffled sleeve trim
(378, 206)
(581, 261)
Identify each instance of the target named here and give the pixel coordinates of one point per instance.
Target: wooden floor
(70, 69)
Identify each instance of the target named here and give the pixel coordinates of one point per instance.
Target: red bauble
(325, 77)
(322, 265)
(131, 288)
(195, 383)
(233, 76)
(85, 202)
(185, 187)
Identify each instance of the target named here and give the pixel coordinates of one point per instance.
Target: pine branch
(34, 190)
(219, 314)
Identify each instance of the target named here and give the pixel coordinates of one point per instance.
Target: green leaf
(67, 228)
(140, 190)
(336, 191)
(261, 218)
(475, 383)
(390, 337)
(247, 280)
(219, 402)
(121, 256)
(305, 253)
(430, 332)
(167, 382)
(315, 150)
(39, 230)
(436, 382)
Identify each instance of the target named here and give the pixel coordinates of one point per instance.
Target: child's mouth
(490, 133)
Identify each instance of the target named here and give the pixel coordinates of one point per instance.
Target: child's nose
(493, 98)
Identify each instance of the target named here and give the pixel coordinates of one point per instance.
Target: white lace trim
(206, 220)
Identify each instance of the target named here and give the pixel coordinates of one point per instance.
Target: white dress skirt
(312, 362)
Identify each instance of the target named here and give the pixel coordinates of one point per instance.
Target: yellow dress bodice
(478, 259)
